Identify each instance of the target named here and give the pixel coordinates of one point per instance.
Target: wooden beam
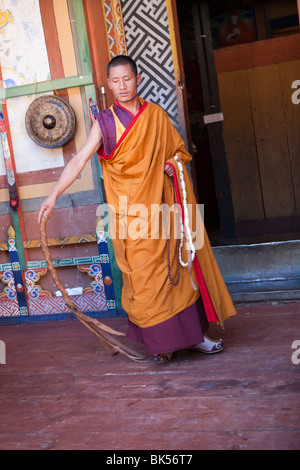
(97, 36)
(51, 39)
(257, 54)
(83, 23)
(48, 85)
(260, 22)
(73, 240)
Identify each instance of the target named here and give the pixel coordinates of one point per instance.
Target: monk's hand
(168, 170)
(47, 208)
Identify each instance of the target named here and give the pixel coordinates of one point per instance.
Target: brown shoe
(162, 358)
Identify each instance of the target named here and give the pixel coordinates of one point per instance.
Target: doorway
(268, 30)
(203, 166)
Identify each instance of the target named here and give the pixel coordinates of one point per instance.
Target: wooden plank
(83, 43)
(73, 395)
(97, 36)
(72, 240)
(271, 139)
(65, 37)
(289, 72)
(241, 146)
(69, 62)
(57, 72)
(42, 87)
(257, 54)
(260, 22)
(83, 51)
(51, 38)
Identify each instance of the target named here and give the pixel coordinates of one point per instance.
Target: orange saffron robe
(135, 180)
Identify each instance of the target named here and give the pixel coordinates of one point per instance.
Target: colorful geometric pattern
(58, 263)
(56, 305)
(9, 292)
(106, 269)
(148, 43)
(42, 302)
(95, 272)
(9, 308)
(19, 299)
(34, 291)
(17, 275)
(114, 26)
(99, 296)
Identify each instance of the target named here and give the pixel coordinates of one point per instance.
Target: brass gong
(50, 121)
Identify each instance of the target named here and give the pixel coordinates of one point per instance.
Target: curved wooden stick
(104, 333)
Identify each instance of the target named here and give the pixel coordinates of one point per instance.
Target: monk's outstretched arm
(72, 170)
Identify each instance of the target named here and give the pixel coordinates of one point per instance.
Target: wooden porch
(60, 390)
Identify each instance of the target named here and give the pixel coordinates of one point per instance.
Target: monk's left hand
(168, 170)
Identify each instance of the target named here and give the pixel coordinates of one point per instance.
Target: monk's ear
(138, 79)
(108, 82)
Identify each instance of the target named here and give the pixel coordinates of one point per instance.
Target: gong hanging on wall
(50, 121)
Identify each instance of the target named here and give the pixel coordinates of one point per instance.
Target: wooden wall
(261, 125)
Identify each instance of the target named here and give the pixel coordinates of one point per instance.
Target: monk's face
(123, 82)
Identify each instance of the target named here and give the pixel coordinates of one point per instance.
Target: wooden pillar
(98, 42)
(212, 110)
(92, 37)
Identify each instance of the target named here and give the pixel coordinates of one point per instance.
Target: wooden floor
(60, 390)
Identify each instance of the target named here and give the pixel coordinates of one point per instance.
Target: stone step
(263, 271)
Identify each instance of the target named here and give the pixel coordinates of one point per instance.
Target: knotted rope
(105, 334)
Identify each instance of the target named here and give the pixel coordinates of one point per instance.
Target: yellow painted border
(119, 19)
(177, 74)
(173, 40)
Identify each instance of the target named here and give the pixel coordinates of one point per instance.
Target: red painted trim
(208, 305)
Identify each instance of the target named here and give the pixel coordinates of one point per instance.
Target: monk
(172, 286)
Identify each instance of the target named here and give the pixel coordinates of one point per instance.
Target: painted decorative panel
(24, 60)
(115, 27)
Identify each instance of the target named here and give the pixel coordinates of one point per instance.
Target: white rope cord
(189, 240)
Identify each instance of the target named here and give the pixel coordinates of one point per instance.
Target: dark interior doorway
(199, 134)
(243, 21)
